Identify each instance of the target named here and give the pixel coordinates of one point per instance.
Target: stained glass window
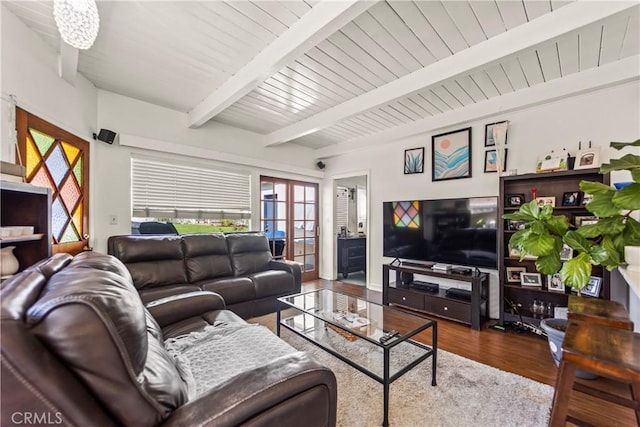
(406, 214)
(55, 159)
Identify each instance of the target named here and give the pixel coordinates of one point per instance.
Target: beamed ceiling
(338, 75)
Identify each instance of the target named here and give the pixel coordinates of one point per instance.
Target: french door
(289, 216)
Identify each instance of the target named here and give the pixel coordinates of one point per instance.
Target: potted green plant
(602, 243)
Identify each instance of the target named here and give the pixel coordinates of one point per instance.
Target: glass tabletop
(360, 317)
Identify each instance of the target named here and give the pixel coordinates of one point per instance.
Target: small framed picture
(566, 253)
(513, 273)
(414, 160)
(544, 201)
(554, 283)
(515, 253)
(489, 138)
(579, 220)
(514, 200)
(593, 287)
(516, 224)
(571, 198)
(530, 279)
(587, 159)
(586, 198)
(491, 161)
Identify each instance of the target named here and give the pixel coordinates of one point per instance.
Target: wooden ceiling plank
(286, 98)
(399, 117)
(549, 61)
(380, 118)
(557, 4)
(415, 20)
(456, 91)
(320, 22)
(489, 17)
(229, 14)
(590, 39)
(446, 97)
(297, 7)
(295, 92)
(631, 44)
(536, 8)
(412, 105)
(514, 72)
(361, 56)
(339, 56)
(405, 110)
(282, 80)
(424, 104)
(383, 13)
(368, 44)
(531, 67)
(471, 88)
(284, 105)
(339, 69)
(278, 12)
(384, 31)
(568, 53)
(613, 35)
(314, 80)
(513, 13)
(435, 100)
(466, 21)
(259, 16)
(367, 122)
(330, 75)
(442, 23)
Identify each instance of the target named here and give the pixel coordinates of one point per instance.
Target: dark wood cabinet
(516, 300)
(26, 205)
(438, 303)
(352, 255)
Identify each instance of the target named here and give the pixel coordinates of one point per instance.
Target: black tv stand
(438, 303)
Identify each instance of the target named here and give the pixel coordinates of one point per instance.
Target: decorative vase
(8, 262)
(555, 330)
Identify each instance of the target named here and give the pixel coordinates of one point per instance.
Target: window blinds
(165, 190)
(342, 208)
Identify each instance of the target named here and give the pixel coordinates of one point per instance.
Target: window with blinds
(172, 191)
(342, 208)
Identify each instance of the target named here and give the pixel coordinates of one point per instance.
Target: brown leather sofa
(237, 266)
(80, 348)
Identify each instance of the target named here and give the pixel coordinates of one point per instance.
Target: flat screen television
(448, 231)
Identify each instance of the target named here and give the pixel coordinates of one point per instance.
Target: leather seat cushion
(272, 283)
(232, 289)
(207, 256)
(152, 294)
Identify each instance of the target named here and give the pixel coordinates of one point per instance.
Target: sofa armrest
(290, 266)
(292, 390)
(183, 306)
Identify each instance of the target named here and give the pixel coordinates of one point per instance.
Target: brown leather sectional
(80, 348)
(238, 266)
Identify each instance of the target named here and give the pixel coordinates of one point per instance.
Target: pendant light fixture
(77, 21)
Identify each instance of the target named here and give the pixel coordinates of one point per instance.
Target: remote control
(388, 336)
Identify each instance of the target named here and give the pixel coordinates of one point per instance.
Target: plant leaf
(592, 187)
(538, 244)
(518, 237)
(577, 271)
(599, 254)
(576, 241)
(537, 227)
(626, 162)
(605, 226)
(546, 212)
(531, 209)
(621, 145)
(628, 197)
(549, 264)
(612, 253)
(558, 224)
(631, 232)
(602, 206)
(518, 215)
(635, 174)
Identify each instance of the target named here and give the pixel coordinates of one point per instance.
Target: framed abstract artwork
(414, 160)
(451, 157)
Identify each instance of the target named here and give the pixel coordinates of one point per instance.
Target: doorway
(288, 216)
(351, 224)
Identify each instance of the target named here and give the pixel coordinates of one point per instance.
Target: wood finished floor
(523, 354)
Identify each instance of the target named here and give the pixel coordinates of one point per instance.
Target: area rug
(468, 393)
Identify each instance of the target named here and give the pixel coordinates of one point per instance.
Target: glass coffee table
(358, 332)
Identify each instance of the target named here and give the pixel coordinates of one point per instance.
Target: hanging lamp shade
(77, 21)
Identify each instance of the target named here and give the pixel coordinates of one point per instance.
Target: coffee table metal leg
(278, 323)
(385, 385)
(434, 357)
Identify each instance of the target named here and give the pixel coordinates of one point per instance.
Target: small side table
(594, 310)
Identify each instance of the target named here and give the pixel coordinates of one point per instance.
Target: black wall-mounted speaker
(105, 135)
(320, 164)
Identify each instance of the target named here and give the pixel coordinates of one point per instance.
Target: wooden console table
(438, 303)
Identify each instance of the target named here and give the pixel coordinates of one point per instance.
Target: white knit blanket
(221, 351)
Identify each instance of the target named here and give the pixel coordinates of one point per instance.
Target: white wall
(602, 116)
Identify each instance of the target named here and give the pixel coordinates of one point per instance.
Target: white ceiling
(324, 74)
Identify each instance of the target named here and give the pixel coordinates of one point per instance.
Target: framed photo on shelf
(514, 200)
(515, 253)
(566, 253)
(554, 282)
(586, 198)
(543, 201)
(489, 139)
(587, 159)
(516, 224)
(513, 273)
(530, 279)
(579, 220)
(451, 155)
(571, 198)
(593, 287)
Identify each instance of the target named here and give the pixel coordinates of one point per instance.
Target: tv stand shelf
(437, 303)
